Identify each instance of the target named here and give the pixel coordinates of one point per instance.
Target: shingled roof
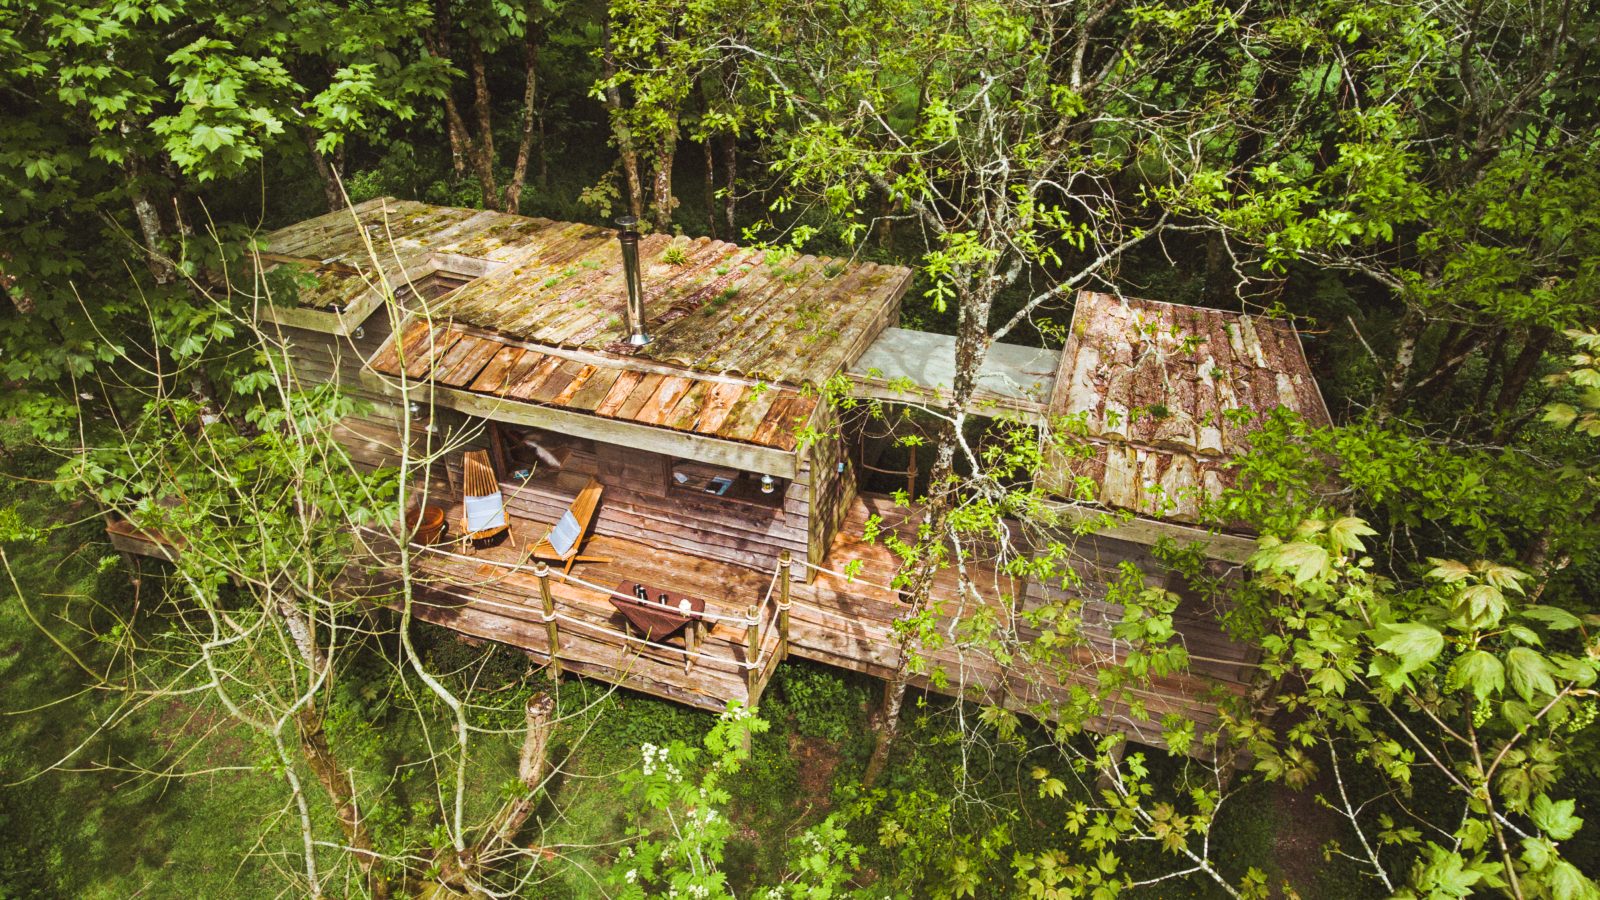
(1167, 395)
(738, 334)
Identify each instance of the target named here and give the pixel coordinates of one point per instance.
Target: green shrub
(822, 702)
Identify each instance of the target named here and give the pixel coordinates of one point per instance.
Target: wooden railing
(757, 621)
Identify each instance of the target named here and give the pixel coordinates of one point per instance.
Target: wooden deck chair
(564, 539)
(483, 509)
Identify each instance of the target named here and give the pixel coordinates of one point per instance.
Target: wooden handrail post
(692, 640)
(752, 637)
(784, 562)
(542, 572)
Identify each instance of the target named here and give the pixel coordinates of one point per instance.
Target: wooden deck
(837, 620)
(494, 594)
(846, 623)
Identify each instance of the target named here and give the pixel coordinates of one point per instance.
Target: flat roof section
(919, 366)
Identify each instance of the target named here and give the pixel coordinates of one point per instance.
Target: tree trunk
(624, 134)
(149, 219)
(1405, 355)
(1522, 368)
(460, 142)
(661, 199)
(886, 215)
(331, 191)
(458, 871)
(1491, 370)
(439, 45)
(530, 771)
(483, 146)
(887, 726)
(972, 347)
(319, 756)
(8, 286)
(730, 200)
(530, 95)
(710, 148)
(544, 157)
(1220, 283)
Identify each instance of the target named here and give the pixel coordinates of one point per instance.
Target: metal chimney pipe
(629, 239)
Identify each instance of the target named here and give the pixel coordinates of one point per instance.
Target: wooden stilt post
(911, 474)
(784, 562)
(542, 572)
(752, 637)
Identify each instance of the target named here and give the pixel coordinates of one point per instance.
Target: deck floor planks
(618, 394)
(535, 376)
(655, 410)
(834, 620)
(552, 387)
(720, 401)
(850, 623)
(641, 395)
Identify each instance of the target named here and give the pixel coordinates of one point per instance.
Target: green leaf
(1567, 883)
(1530, 673)
(1330, 680)
(1348, 532)
(1308, 561)
(1554, 617)
(1448, 570)
(1555, 818)
(1481, 671)
(1413, 643)
(1560, 414)
(1485, 603)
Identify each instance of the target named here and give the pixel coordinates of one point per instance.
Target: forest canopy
(1414, 187)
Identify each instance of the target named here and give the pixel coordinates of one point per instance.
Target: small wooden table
(656, 623)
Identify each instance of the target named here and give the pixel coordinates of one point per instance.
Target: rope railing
(737, 621)
(767, 614)
(592, 627)
(852, 579)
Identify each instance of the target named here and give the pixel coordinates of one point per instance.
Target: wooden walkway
(846, 623)
(837, 620)
(495, 594)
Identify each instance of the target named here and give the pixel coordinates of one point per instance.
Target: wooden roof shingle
(466, 358)
(738, 334)
(1166, 396)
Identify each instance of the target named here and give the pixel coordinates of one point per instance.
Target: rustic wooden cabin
(676, 379)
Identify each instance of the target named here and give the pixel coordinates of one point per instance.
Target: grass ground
(77, 817)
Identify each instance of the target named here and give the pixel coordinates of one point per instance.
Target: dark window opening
(699, 481)
(528, 450)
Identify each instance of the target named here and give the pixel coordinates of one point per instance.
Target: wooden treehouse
(686, 404)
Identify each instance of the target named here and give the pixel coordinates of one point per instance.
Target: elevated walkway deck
(842, 620)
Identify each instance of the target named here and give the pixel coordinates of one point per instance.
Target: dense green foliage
(1414, 185)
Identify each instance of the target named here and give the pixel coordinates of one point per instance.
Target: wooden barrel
(426, 524)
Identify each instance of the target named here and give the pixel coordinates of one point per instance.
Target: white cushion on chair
(484, 513)
(565, 535)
